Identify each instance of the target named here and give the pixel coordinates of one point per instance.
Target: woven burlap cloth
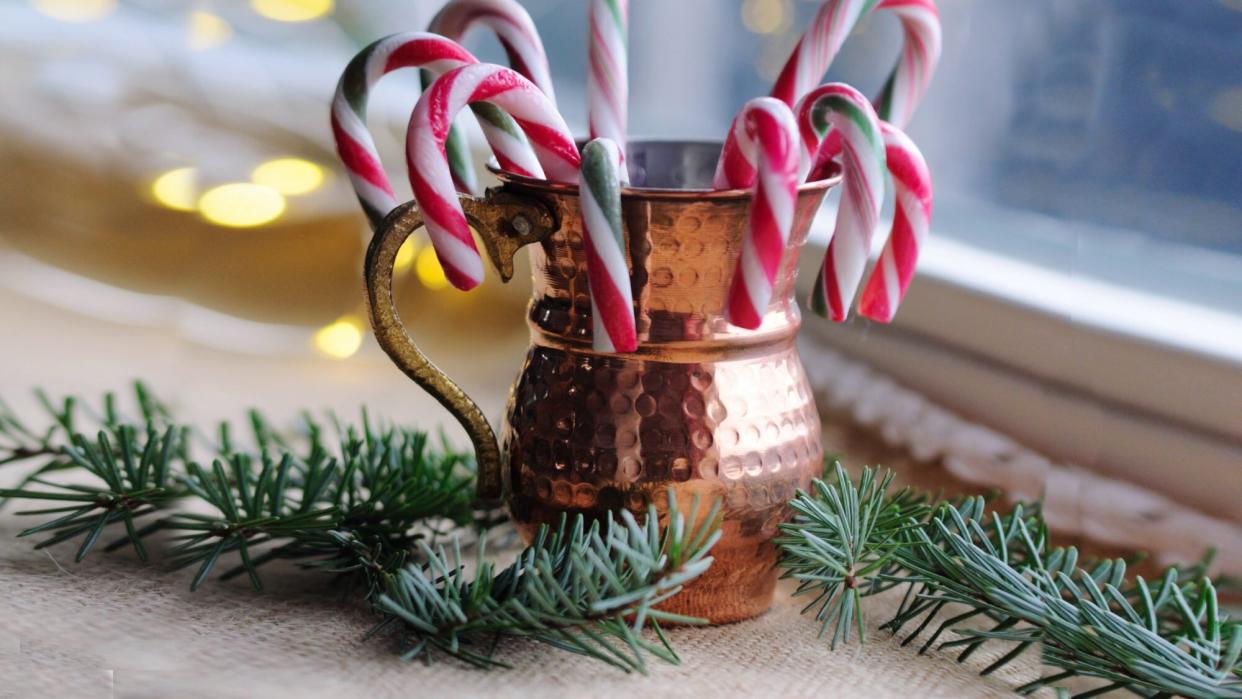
(113, 627)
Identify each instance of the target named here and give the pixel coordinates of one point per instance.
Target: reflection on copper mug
(702, 406)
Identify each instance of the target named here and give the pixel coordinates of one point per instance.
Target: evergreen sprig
(383, 486)
(364, 501)
(961, 561)
(588, 589)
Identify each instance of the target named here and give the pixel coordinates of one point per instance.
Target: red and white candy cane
(920, 51)
(429, 171)
(517, 34)
(848, 114)
(603, 239)
(508, 20)
(815, 51)
(832, 24)
(354, 144)
(766, 138)
(912, 187)
(607, 75)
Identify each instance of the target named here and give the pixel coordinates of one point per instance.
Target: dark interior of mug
(672, 164)
(663, 165)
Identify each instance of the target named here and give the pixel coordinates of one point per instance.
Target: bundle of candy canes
(800, 133)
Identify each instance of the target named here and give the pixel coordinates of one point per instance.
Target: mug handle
(505, 222)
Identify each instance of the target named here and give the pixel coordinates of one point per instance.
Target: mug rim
(547, 186)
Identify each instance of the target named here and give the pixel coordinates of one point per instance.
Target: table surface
(113, 627)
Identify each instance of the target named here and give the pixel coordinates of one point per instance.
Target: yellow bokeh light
(767, 16)
(177, 189)
(292, 10)
(75, 10)
(241, 205)
(428, 269)
(208, 30)
(405, 255)
(289, 176)
(340, 339)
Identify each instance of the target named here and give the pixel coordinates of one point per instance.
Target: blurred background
(168, 187)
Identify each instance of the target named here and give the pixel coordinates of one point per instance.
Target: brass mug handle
(505, 222)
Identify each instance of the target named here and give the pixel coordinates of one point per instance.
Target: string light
(292, 10)
(241, 205)
(340, 339)
(75, 10)
(428, 269)
(208, 30)
(177, 189)
(289, 176)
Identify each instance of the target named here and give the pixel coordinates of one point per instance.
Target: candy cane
(429, 172)
(911, 222)
(920, 51)
(599, 195)
(766, 137)
(814, 53)
(607, 78)
(849, 114)
(354, 144)
(906, 84)
(517, 34)
(511, 24)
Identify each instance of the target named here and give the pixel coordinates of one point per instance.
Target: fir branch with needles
(285, 494)
(961, 561)
(587, 589)
(363, 502)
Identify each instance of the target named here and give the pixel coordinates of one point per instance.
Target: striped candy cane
(920, 51)
(517, 34)
(354, 144)
(849, 114)
(906, 84)
(911, 221)
(511, 24)
(599, 193)
(607, 77)
(814, 53)
(766, 138)
(429, 172)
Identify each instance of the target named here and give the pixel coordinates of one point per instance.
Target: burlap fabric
(112, 627)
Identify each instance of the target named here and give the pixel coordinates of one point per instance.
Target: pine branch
(960, 561)
(319, 499)
(587, 589)
(840, 546)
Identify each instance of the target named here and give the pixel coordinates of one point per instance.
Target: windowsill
(1145, 388)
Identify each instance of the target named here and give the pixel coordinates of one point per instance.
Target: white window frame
(1145, 388)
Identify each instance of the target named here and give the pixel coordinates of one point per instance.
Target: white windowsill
(1142, 387)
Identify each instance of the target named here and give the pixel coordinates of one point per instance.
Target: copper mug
(702, 406)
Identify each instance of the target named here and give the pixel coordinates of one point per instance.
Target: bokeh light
(341, 338)
(767, 16)
(177, 189)
(75, 10)
(428, 269)
(208, 30)
(292, 10)
(289, 176)
(405, 255)
(241, 205)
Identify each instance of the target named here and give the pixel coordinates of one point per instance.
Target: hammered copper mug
(702, 406)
